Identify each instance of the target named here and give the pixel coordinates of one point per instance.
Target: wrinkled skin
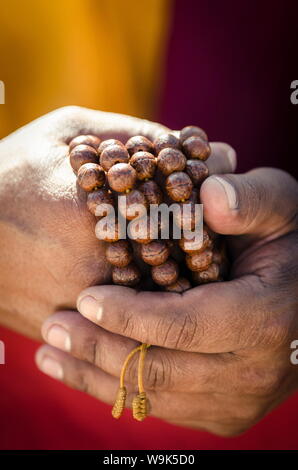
(221, 354)
(220, 358)
(48, 250)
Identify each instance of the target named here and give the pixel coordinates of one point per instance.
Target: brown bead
(152, 192)
(166, 141)
(197, 171)
(195, 147)
(170, 160)
(190, 131)
(90, 140)
(165, 274)
(199, 261)
(179, 186)
(132, 205)
(91, 176)
(141, 231)
(119, 253)
(181, 285)
(99, 200)
(113, 154)
(139, 143)
(144, 163)
(210, 274)
(127, 276)
(155, 253)
(109, 231)
(107, 143)
(122, 177)
(192, 246)
(82, 154)
(188, 216)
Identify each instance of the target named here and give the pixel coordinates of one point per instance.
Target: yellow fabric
(104, 54)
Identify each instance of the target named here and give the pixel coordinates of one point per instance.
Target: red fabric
(228, 71)
(37, 412)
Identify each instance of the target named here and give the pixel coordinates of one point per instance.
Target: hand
(221, 354)
(49, 251)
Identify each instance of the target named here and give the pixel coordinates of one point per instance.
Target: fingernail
(229, 190)
(51, 367)
(90, 308)
(60, 338)
(232, 158)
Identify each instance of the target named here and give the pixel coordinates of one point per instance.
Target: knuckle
(127, 324)
(261, 382)
(157, 373)
(247, 415)
(80, 382)
(180, 333)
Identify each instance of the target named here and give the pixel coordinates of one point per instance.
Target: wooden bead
(152, 192)
(190, 131)
(210, 274)
(165, 274)
(132, 205)
(99, 200)
(199, 261)
(144, 163)
(113, 154)
(139, 143)
(107, 143)
(90, 140)
(179, 186)
(127, 276)
(155, 252)
(197, 171)
(108, 231)
(170, 160)
(195, 147)
(181, 285)
(82, 154)
(192, 246)
(141, 231)
(122, 177)
(91, 176)
(166, 141)
(119, 253)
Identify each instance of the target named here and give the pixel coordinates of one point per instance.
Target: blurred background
(226, 66)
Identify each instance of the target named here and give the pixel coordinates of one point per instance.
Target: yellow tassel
(119, 405)
(139, 406)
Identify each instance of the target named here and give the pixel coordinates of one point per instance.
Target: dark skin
(48, 250)
(221, 354)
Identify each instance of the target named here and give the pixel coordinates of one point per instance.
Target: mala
(169, 170)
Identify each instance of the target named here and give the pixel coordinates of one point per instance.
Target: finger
(212, 318)
(77, 374)
(102, 386)
(78, 120)
(223, 158)
(164, 369)
(261, 203)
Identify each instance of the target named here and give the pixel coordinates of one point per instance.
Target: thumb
(262, 202)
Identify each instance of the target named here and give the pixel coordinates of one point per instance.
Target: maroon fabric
(229, 69)
(37, 412)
